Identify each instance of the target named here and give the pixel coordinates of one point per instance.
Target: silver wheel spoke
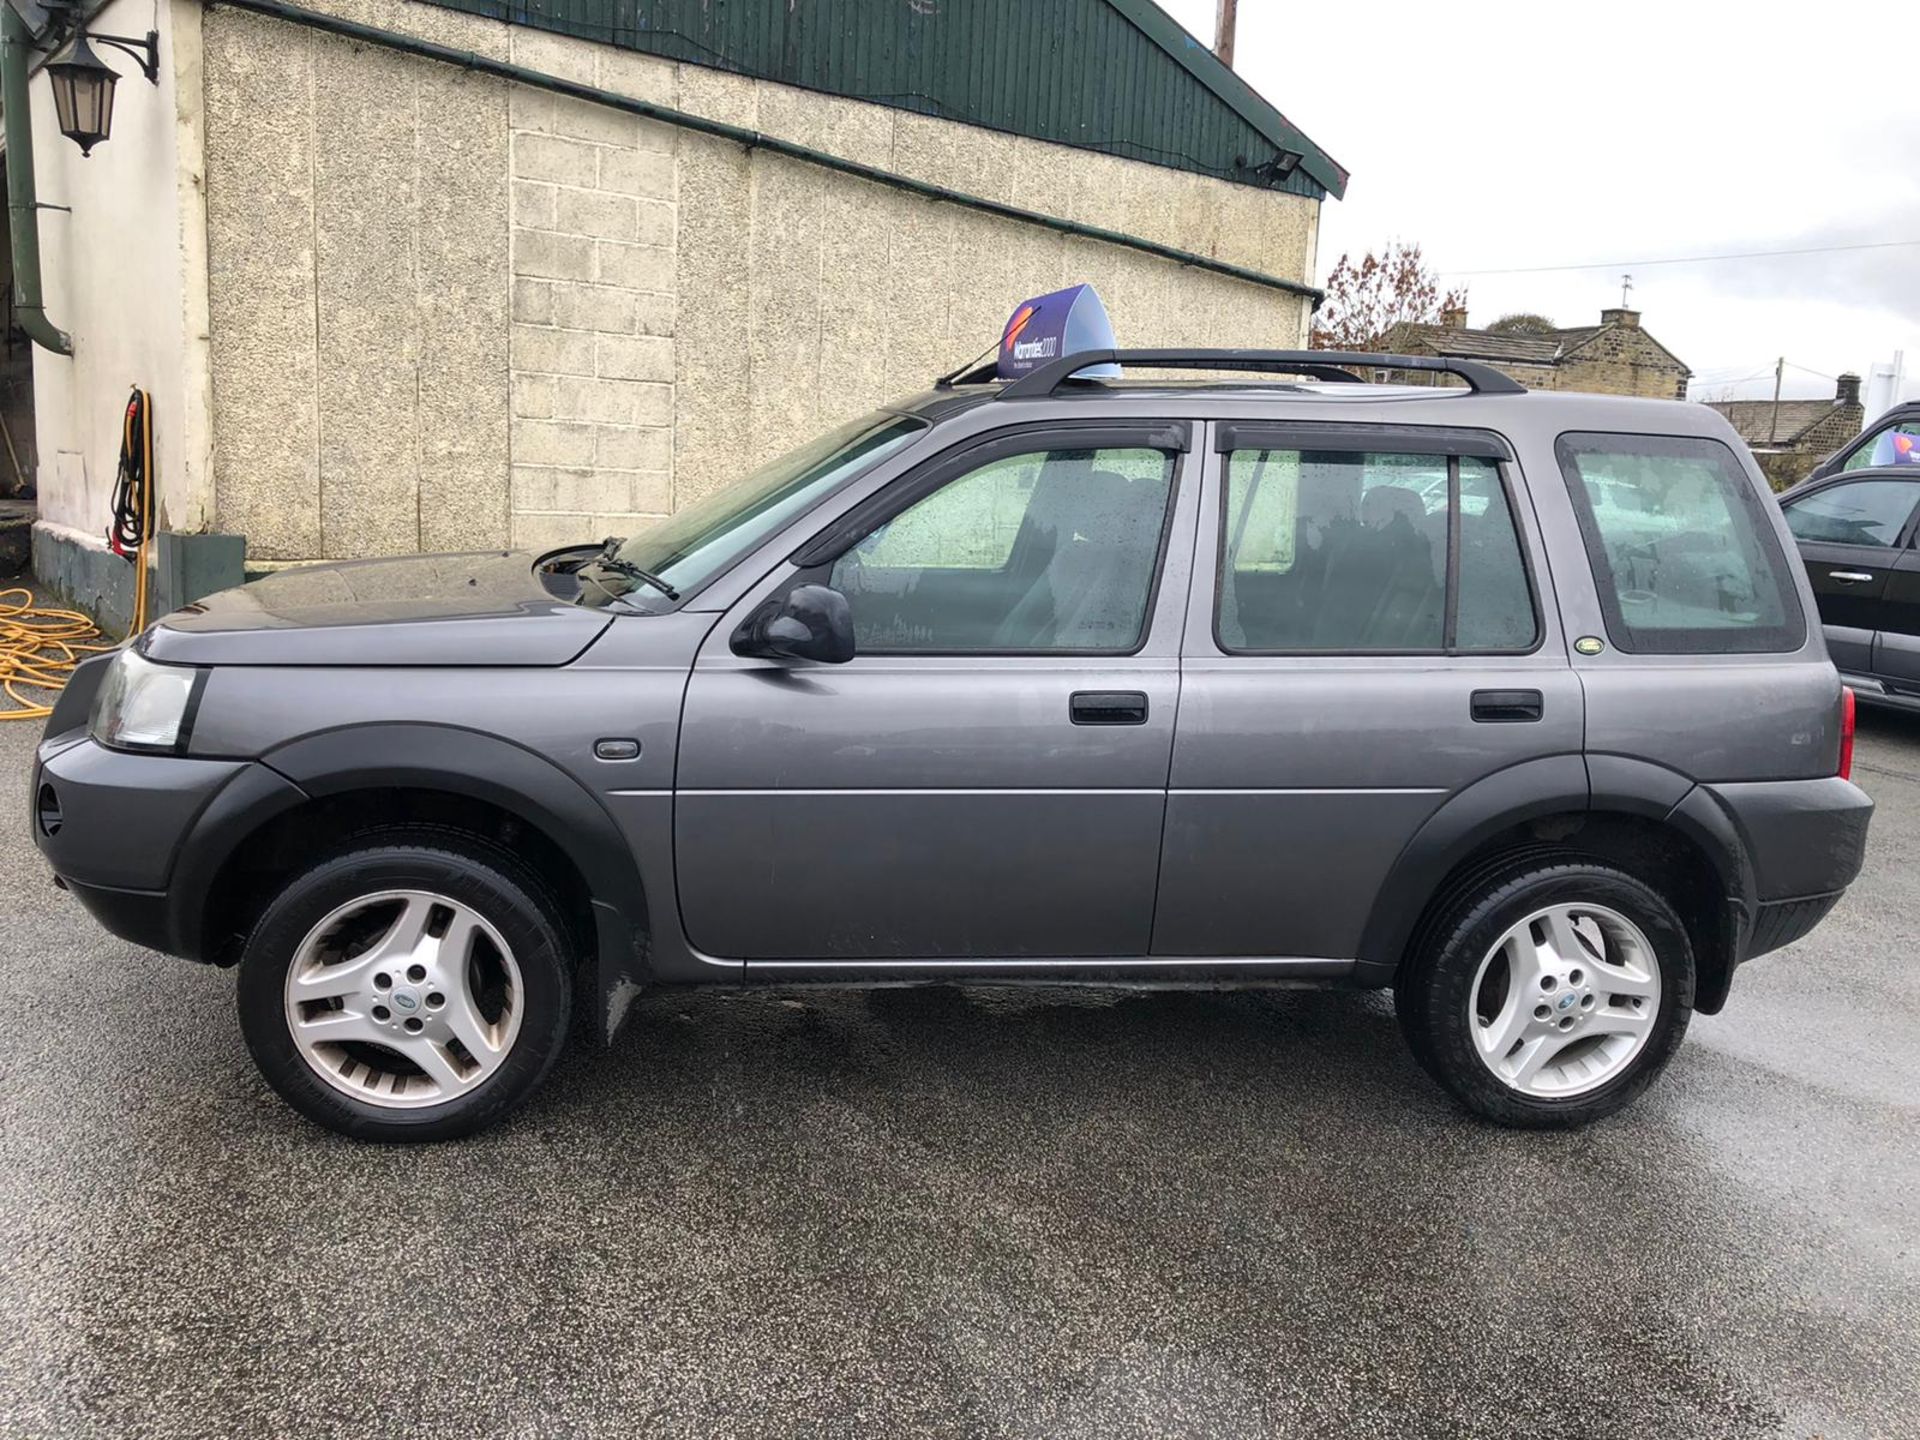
(432, 1057)
(1615, 979)
(470, 1028)
(1620, 1020)
(1551, 982)
(1532, 1058)
(331, 1027)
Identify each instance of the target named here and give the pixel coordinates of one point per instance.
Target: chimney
(1625, 319)
(1847, 392)
(1454, 318)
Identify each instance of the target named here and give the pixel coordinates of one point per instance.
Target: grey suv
(1507, 701)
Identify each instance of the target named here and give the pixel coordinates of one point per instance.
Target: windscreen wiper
(609, 559)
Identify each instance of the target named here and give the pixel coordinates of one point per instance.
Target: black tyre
(1550, 995)
(414, 986)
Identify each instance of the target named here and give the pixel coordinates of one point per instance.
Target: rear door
(986, 780)
(1369, 634)
(1850, 535)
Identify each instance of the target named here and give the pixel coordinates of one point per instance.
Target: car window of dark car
(1860, 512)
(1896, 444)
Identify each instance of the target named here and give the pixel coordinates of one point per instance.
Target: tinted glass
(1347, 551)
(1494, 610)
(1862, 512)
(694, 543)
(1052, 550)
(1685, 555)
(1895, 445)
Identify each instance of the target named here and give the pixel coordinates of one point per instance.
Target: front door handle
(1850, 577)
(1507, 707)
(1108, 707)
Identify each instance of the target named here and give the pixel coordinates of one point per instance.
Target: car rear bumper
(1805, 841)
(140, 839)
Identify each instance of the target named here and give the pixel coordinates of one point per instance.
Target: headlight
(143, 706)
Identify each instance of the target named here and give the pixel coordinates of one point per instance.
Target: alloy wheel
(404, 998)
(1564, 1000)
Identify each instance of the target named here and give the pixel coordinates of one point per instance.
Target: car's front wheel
(1551, 996)
(413, 987)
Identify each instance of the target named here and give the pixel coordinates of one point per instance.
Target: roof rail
(1043, 380)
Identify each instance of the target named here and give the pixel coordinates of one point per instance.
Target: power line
(1689, 259)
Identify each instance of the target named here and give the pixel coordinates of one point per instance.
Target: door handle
(1108, 707)
(1507, 707)
(1850, 577)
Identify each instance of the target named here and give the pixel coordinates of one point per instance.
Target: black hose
(132, 492)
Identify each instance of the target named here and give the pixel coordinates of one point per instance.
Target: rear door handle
(1850, 577)
(1507, 707)
(1108, 707)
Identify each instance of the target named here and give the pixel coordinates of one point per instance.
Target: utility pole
(1224, 21)
(1773, 430)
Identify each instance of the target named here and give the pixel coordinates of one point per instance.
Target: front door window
(1049, 551)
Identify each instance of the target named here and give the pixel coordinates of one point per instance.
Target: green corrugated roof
(1118, 76)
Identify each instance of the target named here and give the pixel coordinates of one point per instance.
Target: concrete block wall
(449, 312)
(595, 282)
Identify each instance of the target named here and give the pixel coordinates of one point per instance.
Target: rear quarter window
(1684, 553)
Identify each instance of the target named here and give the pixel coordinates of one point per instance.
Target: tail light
(1846, 733)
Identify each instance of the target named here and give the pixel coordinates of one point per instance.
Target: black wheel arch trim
(517, 780)
(1533, 789)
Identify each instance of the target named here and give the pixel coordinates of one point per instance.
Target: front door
(1849, 536)
(1366, 638)
(986, 779)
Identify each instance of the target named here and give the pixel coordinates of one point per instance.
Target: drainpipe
(23, 213)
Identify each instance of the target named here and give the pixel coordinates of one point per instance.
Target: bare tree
(1367, 299)
(1523, 322)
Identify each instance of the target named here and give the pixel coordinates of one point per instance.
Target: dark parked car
(1857, 530)
(1510, 702)
(1892, 440)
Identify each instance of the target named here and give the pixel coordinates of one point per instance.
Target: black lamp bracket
(146, 52)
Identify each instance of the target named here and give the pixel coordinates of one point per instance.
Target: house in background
(1790, 437)
(622, 255)
(1615, 357)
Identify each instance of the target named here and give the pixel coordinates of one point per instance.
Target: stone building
(1790, 437)
(1615, 357)
(565, 273)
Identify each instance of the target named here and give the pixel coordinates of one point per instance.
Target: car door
(986, 779)
(1896, 643)
(1849, 533)
(1366, 638)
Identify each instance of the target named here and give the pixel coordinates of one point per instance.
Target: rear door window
(1348, 551)
(1685, 556)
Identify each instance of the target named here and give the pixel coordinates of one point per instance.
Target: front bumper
(140, 839)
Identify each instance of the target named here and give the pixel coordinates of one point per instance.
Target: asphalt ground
(968, 1212)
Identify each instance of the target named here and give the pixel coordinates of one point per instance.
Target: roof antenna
(1626, 287)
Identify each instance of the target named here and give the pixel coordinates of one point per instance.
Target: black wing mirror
(809, 622)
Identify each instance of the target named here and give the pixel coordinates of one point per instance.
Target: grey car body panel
(1298, 779)
(900, 817)
(842, 790)
(484, 608)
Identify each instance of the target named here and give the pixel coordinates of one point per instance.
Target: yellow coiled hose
(39, 646)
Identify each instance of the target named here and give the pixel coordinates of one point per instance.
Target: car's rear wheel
(413, 987)
(1552, 996)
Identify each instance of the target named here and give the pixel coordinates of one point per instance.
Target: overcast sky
(1505, 135)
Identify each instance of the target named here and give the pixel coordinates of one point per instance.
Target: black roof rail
(1043, 380)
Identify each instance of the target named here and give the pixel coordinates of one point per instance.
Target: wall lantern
(83, 85)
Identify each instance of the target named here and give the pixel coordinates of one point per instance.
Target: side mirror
(810, 622)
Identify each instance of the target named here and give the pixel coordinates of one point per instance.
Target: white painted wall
(125, 275)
